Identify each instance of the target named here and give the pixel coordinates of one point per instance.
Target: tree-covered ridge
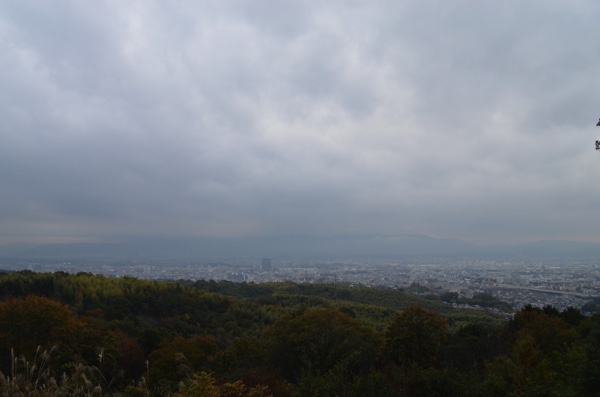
(82, 334)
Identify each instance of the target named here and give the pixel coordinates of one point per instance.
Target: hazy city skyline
(242, 120)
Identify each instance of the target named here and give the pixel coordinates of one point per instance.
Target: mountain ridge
(308, 246)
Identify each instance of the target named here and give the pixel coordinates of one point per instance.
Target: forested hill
(87, 333)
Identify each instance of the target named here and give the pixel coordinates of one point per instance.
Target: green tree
(205, 385)
(306, 347)
(591, 362)
(174, 360)
(415, 336)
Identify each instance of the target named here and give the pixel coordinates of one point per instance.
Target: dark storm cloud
(454, 119)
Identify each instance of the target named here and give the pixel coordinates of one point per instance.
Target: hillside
(140, 337)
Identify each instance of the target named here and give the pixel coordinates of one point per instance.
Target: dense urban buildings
(561, 283)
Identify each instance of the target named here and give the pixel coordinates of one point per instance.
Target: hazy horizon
(409, 247)
(126, 121)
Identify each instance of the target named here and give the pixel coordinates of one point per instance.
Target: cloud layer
(454, 119)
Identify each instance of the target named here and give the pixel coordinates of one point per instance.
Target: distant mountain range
(306, 246)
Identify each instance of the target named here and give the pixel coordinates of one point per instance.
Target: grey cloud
(460, 119)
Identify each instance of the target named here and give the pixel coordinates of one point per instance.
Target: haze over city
(234, 122)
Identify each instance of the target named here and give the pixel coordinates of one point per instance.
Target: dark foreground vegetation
(81, 335)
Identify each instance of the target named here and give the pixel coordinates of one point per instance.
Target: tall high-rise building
(265, 264)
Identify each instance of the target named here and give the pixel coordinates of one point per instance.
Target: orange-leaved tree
(31, 322)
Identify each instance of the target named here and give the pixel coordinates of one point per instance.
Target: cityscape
(559, 283)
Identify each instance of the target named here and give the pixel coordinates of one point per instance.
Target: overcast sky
(454, 119)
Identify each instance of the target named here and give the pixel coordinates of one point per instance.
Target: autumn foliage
(83, 334)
